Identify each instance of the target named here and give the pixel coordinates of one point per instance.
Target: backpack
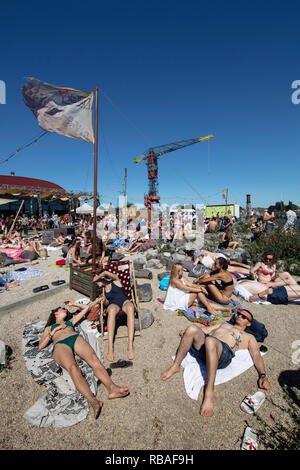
(164, 283)
(257, 329)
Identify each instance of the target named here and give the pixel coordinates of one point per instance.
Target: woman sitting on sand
(116, 300)
(219, 292)
(265, 272)
(73, 255)
(182, 293)
(60, 329)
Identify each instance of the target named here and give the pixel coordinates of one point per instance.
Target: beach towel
(200, 315)
(62, 405)
(241, 291)
(11, 256)
(194, 375)
(23, 275)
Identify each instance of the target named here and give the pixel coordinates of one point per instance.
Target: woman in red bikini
(265, 272)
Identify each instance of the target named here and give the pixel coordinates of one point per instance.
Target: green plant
(285, 245)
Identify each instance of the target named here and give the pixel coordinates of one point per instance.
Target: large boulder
(147, 319)
(143, 274)
(144, 292)
(139, 263)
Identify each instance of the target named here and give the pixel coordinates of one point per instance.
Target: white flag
(58, 109)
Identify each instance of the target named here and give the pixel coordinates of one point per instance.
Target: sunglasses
(243, 316)
(269, 259)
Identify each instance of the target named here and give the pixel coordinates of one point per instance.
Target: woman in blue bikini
(60, 329)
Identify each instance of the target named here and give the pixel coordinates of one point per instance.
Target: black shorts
(226, 356)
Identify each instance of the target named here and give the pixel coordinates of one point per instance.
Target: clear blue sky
(172, 70)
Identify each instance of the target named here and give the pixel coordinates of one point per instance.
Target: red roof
(28, 184)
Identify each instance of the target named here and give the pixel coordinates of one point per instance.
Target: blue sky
(168, 70)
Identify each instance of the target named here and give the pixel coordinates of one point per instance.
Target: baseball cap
(220, 255)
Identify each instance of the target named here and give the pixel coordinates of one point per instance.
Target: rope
(31, 142)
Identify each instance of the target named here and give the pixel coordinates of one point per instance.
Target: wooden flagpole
(95, 179)
(13, 224)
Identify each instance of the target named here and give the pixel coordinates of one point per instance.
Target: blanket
(62, 405)
(194, 375)
(24, 274)
(200, 315)
(241, 291)
(11, 256)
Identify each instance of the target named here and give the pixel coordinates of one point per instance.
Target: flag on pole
(225, 194)
(59, 109)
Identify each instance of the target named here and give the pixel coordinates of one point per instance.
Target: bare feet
(97, 408)
(110, 356)
(117, 392)
(171, 371)
(207, 407)
(130, 353)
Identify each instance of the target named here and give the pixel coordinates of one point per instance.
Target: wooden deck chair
(125, 272)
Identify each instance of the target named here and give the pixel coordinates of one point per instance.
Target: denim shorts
(226, 356)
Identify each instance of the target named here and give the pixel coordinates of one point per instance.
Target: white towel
(194, 374)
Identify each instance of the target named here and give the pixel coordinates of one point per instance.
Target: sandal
(252, 403)
(39, 289)
(58, 283)
(249, 439)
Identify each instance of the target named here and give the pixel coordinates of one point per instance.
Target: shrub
(285, 245)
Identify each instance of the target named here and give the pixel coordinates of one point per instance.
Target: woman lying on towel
(265, 272)
(182, 293)
(60, 329)
(208, 258)
(218, 283)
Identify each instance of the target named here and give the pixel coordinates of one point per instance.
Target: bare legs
(64, 357)
(194, 336)
(112, 312)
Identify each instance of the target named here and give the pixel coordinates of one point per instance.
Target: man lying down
(216, 346)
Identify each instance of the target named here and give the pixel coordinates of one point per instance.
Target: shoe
(39, 289)
(249, 439)
(58, 283)
(252, 403)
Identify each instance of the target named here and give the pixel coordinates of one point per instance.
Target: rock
(144, 292)
(147, 319)
(294, 268)
(178, 258)
(139, 263)
(154, 263)
(117, 257)
(160, 276)
(281, 265)
(143, 274)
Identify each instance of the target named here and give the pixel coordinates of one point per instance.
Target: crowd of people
(215, 277)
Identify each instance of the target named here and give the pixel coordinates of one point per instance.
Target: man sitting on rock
(216, 346)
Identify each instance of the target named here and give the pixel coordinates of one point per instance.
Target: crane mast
(151, 156)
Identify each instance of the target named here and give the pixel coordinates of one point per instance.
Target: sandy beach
(156, 415)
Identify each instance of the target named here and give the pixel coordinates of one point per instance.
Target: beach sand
(157, 415)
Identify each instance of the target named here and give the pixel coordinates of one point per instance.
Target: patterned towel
(200, 315)
(62, 405)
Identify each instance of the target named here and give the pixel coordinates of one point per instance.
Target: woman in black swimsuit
(218, 291)
(116, 300)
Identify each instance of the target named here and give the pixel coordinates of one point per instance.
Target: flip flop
(121, 363)
(249, 439)
(252, 403)
(39, 289)
(58, 283)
